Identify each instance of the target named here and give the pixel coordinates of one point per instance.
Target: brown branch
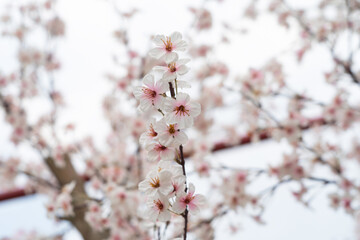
(66, 175)
(186, 213)
(206, 221)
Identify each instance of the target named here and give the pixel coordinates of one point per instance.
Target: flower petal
(157, 52)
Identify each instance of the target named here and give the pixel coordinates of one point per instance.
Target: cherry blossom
(150, 135)
(150, 95)
(158, 208)
(157, 182)
(167, 45)
(181, 110)
(158, 151)
(170, 135)
(178, 184)
(314, 129)
(174, 69)
(193, 202)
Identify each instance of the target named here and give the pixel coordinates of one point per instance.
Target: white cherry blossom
(150, 95)
(165, 46)
(158, 151)
(157, 182)
(173, 69)
(158, 208)
(181, 110)
(193, 202)
(150, 134)
(170, 134)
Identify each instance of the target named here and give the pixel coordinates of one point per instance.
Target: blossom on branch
(157, 182)
(167, 45)
(150, 95)
(181, 110)
(193, 202)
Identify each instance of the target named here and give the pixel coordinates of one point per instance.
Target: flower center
(159, 204)
(152, 132)
(149, 93)
(155, 182)
(188, 199)
(172, 67)
(168, 44)
(171, 129)
(160, 148)
(181, 110)
(175, 188)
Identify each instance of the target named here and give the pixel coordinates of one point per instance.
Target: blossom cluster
(165, 186)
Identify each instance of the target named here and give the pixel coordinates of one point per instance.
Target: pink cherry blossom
(193, 202)
(150, 135)
(157, 182)
(167, 45)
(150, 95)
(174, 69)
(158, 208)
(157, 152)
(178, 185)
(181, 110)
(170, 135)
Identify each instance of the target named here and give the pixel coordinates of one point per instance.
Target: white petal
(138, 92)
(181, 138)
(199, 200)
(165, 176)
(169, 154)
(183, 61)
(145, 105)
(158, 40)
(195, 109)
(163, 86)
(178, 208)
(175, 37)
(149, 80)
(164, 216)
(143, 186)
(182, 70)
(183, 97)
(169, 76)
(153, 155)
(144, 139)
(169, 104)
(158, 102)
(165, 139)
(171, 118)
(160, 69)
(170, 57)
(160, 126)
(191, 188)
(194, 210)
(157, 52)
(180, 46)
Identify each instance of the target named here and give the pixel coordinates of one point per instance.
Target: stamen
(171, 129)
(188, 199)
(155, 182)
(159, 204)
(181, 110)
(149, 93)
(168, 44)
(160, 147)
(152, 132)
(172, 67)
